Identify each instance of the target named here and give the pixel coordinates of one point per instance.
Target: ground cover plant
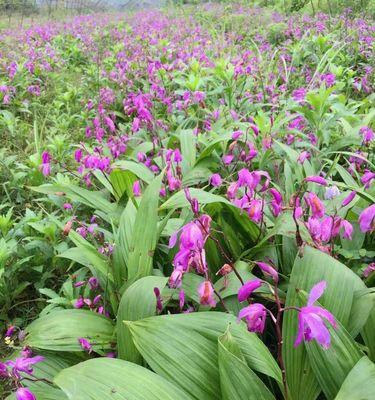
(187, 206)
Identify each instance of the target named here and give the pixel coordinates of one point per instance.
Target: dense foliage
(187, 206)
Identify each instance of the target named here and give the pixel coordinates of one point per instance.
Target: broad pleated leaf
(137, 302)
(178, 200)
(93, 199)
(106, 378)
(315, 266)
(145, 232)
(332, 366)
(359, 383)
(60, 331)
(183, 349)
(237, 380)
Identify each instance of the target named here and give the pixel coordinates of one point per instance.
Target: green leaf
(237, 380)
(60, 330)
(88, 256)
(105, 378)
(91, 198)
(183, 349)
(145, 232)
(124, 239)
(137, 302)
(188, 149)
(331, 366)
(310, 268)
(178, 200)
(359, 383)
(138, 169)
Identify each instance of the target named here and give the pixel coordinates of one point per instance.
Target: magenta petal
(317, 330)
(247, 289)
(300, 330)
(316, 292)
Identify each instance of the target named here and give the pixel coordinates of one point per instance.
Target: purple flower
(25, 394)
(215, 180)
(23, 365)
(368, 134)
(206, 294)
(366, 273)
(331, 192)
(349, 198)
(255, 317)
(137, 189)
(3, 370)
(311, 324)
(367, 219)
(305, 155)
(299, 94)
(181, 297)
(10, 331)
(67, 206)
(367, 177)
(236, 135)
(227, 159)
(78, 155)
(317, 207)
(248, 288)
(268, 270)
(316, 179)
(93, 282)
(85, 344)
(159, 304)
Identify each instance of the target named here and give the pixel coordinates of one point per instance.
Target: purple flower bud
(3, 370)
(195, 206)
(316, 179)
(236, 135)
(25, 394)
(181, 297)
(268, 270)
(10, 331)
(227, 159)
(93, 282)
(137, 189)
(79, 284)
(85, 344)
(78, 155)
(67, 206)
(248, 288)
(159, 304)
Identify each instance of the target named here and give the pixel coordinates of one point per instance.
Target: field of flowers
(187, 206)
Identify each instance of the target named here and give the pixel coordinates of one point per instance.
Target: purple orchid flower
(25, 394)
(255, 317)
(311, 324)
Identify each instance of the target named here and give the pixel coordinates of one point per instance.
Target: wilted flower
(317, 207)
(311, 324)
(206, 294)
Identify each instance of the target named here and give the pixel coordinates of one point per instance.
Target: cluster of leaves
(151, 163)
